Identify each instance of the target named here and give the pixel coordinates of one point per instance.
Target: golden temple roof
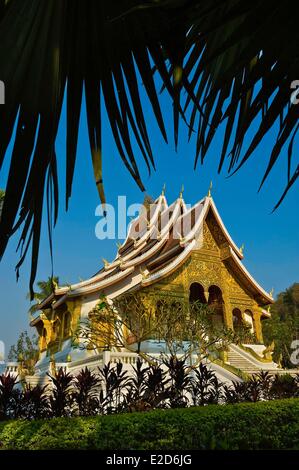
(159, 240)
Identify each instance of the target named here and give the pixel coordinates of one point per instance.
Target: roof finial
(242, 248)
(181, 192)
(272, 292)
(143, 272)
(118, 244)
(210, 189)
(163, 189)
(106, 263)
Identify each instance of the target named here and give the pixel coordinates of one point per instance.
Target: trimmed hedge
(262, 425)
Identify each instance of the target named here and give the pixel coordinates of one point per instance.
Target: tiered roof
(159, 240)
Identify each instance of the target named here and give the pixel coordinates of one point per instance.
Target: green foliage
(61, 399)
(283, 326)
(45, 289)
(25, 351)
(182, 326)
(244, 334)
(7, 395)
(85, 394)
(113, 390)
(264, 425)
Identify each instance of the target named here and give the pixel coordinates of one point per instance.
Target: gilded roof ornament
(106, 263)
(210, 189)
(55, 284)
(181, 192)
(163, 189)
(272, 292)
(242, 249)
(143, 272)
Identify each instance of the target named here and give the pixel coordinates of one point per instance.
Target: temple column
(206, 294)
(48, 325)
(227, 308)
(227, 313)
(257, 325)
(106, 357)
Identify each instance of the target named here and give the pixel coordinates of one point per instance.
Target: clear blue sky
(271, 240)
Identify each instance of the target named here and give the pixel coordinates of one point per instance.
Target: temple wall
(207, 267)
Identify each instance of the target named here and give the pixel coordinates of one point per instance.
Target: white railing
(12, 368)
(123, 357)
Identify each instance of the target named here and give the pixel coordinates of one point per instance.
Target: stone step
(240, 362)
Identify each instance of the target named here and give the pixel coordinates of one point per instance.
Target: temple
(178, 251)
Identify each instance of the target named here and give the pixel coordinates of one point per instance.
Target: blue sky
(271, 240)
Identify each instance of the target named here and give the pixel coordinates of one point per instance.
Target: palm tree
(235, 60)
(45, 289)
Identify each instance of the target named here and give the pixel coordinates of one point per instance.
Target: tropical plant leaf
(235, 60)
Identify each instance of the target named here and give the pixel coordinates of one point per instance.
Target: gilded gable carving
(209, 242)
(205, 272)
(216, 230)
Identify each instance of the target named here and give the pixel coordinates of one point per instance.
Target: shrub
(113, 390)
(61, 400)
(85, 394)
(263, 425)
(8, 396)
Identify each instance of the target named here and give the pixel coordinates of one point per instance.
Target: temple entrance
(196, 293)
(216, 304)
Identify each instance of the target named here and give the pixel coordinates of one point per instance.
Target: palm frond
(243, 62)
(235, 60)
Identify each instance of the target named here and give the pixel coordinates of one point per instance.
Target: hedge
(262, 425)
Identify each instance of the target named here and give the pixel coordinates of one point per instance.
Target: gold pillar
(227, 308)
(257, 325)
(227, 312)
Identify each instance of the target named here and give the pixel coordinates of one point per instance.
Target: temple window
(196, 293)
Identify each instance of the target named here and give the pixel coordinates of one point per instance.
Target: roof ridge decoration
(210, 189)
(167, 239)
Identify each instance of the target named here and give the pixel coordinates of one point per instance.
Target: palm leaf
(235, 60)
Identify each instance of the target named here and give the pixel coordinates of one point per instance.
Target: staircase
(240, 362)
(243, 360)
